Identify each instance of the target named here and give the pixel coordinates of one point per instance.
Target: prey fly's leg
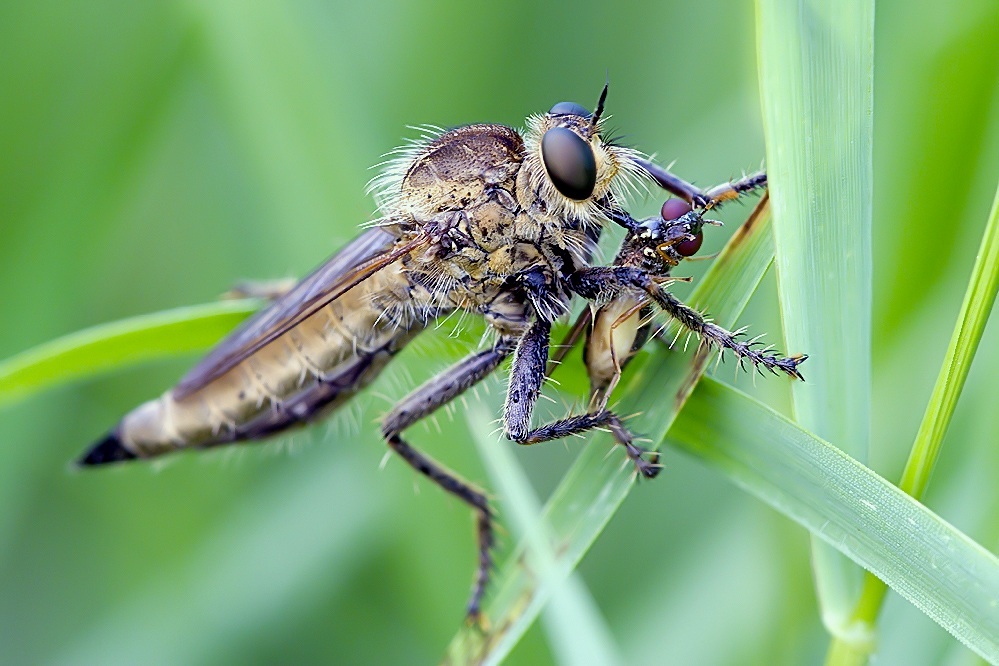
(595, 283)
(526, 376)
(424, 401)
(695, 195)
(576, 332)
(634, 310)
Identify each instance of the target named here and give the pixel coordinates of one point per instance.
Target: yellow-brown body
(302, 374)
(475, 208)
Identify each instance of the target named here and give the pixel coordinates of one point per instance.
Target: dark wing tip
(108, 450)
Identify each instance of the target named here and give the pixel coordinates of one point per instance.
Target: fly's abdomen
(301, 375)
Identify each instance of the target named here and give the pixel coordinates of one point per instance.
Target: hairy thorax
(470, 189)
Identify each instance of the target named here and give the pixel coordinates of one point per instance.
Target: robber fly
(481, 219)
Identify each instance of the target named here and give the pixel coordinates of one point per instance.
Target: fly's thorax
(458, 169)
(561, 174)
(485, 247)
(498, 205)
(491, 224)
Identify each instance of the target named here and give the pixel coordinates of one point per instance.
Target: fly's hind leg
(421, 403)
(526, 376)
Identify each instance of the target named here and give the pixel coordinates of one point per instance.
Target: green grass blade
(598, 483)
(975, 310)
(939, 569)
(816, 81)
(119, 344)
(974, 315)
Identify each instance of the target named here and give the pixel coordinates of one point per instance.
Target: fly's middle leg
(602, 418)
(421, 403)
(526, 377)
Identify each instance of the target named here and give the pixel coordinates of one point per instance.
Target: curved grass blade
(971, 321)
(598, 483)
(975, 310)
(120, 344)
(932, 564)
(816, 80)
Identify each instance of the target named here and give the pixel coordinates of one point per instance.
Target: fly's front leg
(599, 282)
(526, 376)
(695, 195)
(421, 403)
(736, 188)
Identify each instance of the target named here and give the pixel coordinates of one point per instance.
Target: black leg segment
(574, 425)
(424, 401)
(526, 376)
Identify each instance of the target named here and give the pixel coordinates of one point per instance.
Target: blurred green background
(152, 154)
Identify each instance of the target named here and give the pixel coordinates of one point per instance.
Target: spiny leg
(526, 376)
(750, 350)
(695, 195)
(733, 189)
(574, 425)
(424, 401)
(595, 283)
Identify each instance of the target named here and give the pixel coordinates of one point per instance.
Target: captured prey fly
(481, 219)
(624, 297)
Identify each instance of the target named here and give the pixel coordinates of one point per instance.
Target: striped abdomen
(306, 372)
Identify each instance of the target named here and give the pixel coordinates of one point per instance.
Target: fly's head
(570, 171)
(660, 243)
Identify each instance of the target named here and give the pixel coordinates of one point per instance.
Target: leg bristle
(108, 450)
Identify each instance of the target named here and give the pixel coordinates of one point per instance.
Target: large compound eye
(569, 109)
(570, 163)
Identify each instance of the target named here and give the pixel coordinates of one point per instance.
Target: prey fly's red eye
(674, 208)
(689, 247)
